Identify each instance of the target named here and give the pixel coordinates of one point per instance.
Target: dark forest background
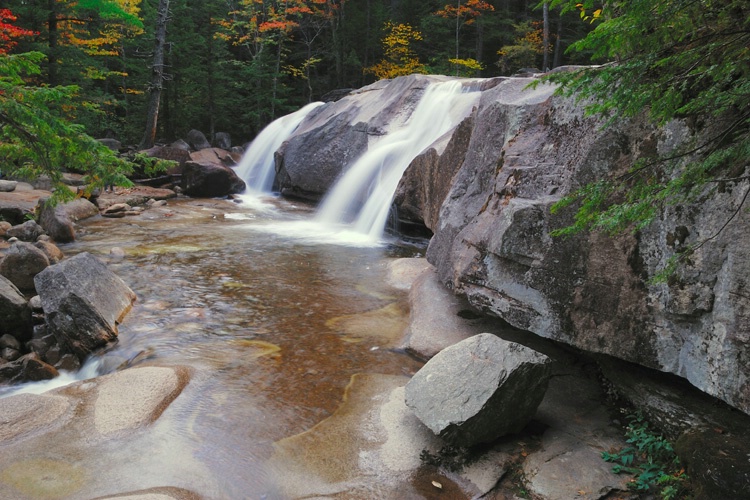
(235, 66)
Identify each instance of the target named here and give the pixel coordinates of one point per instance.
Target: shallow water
(273, 327)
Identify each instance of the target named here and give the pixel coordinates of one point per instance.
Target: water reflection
(273, 328)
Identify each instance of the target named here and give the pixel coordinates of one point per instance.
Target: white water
(361, 199)
(257, 165)
(90, 369)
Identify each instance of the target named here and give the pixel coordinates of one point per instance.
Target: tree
(9, 33)
(400, 58)
(676, 59)
(464, 14)
(157, 75)
(36, 138)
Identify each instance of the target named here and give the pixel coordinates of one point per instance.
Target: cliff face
(485, 190)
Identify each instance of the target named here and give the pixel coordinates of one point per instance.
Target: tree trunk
(52, 43)
(545, 37)
(556, 59)
(157, 74)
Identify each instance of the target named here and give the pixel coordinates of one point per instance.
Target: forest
(236, 65)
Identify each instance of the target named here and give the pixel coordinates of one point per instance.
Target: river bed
(272, 327)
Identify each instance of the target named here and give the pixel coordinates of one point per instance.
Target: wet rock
(402, 273)
(59, 220)
(68, 363)
(116, 253)
(577, 429)
(479, 389)
(210, 180)
(438, 318)
(17, 205)
(84, 301)
(52, 251)
(28, 231)
(14, 310)
(717, 461)
(7, 186)
(22, 262)
(132, 398)
(27, 414)
(41, 345)
(161, 493)
(197, 140)
(27, 368)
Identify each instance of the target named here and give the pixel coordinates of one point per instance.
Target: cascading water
(257, 165)
(362, 197)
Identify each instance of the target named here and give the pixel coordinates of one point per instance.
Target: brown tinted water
(272, 327)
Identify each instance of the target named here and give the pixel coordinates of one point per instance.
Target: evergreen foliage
(36, 137)
(674, 60)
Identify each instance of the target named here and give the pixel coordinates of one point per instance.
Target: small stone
(35, 303)
(7, 186)
(28, 231)
(117, 253)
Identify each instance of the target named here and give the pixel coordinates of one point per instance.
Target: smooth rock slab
(84, 301)
(27, 414)
(438, 318)
(132, 398)
(479, 389)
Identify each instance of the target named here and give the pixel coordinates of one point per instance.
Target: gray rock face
(210, 180)
(28, 231)
(59, 221)
(14, 309)
(22, 262)
(479, 389)
(492, 245)
(84, 301)
(335, 134)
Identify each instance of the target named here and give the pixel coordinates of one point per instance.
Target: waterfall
(361, 199)
(257, 165)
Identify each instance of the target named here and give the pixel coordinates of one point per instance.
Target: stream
(272, 326)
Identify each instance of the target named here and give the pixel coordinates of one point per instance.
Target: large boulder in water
(210, 180)
(83, 301)
(479, 389)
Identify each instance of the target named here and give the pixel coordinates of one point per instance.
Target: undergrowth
(650, 459)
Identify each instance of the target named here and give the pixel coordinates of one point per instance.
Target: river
(273, 327)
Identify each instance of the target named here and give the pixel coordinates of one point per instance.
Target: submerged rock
(84, 301)
(479, 389)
